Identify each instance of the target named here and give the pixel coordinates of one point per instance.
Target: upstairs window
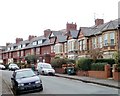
(106, 39)
(94, 43)
(24, 45)
(82, 45)
(65, 47)
(9, 48)
(12, 48)
(35, 43)
(100, 41)
(112, 38)
(39, 41)
(20, 46)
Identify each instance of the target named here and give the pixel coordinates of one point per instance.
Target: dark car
(25, 80)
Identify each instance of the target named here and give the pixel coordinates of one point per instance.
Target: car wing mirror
(12, 78)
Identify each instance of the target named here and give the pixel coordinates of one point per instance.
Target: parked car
(13, 67)
(45, 69)
(2, 67)
(25, 80)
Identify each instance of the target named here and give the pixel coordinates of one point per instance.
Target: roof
(61, 38)
(56, 33)
(74, 33)
(94, 30)
(2, 47)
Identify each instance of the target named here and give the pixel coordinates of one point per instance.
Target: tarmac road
(59, 85)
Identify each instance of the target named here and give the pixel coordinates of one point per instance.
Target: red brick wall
(27, 51)
(82, 73)
(116, 76)
(15, 54)
(97, 74)
(59, 70)
(45, 49)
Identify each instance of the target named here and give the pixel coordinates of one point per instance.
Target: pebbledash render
(70, 42)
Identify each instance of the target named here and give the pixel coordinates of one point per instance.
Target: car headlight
(21, 84)
(37, 82)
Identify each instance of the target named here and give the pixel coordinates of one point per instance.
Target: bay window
(112, 38)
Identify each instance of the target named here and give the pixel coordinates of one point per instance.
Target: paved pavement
(104, 82)
(6, 90)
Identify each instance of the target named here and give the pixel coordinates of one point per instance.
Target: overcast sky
(21, 18)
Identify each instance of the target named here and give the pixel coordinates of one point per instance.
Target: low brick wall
(59, 70)
(82, 73)
(98, 74)
(116, 76)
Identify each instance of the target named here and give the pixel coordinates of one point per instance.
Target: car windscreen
(13, 65)
(47, 66)
(24, 74)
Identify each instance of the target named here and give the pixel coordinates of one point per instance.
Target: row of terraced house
(70, 43)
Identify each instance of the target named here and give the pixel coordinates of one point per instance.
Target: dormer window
(9, 48)
(35, 43)
(12, 48)
(20, 46)
(39, 41)
(23, 45)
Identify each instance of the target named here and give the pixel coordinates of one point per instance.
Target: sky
(21, 18)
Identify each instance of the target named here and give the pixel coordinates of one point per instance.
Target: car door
(13, 80)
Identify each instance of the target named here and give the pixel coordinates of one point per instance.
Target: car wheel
(42, 72)
(16, 92)
(41, 89)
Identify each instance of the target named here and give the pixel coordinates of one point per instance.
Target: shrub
(57, 62)
(108, 61)
(69, 61)
(84, 64)
(98, 66)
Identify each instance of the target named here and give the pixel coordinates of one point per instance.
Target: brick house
(69, 42)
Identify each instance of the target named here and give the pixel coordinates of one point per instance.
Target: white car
(2, 66)
(13, 67)
(45, 69)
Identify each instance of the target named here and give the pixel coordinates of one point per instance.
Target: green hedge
(84, 64)
(98, 66)
(109, 61)
(57, 62)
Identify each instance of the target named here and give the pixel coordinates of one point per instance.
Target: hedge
(98, 66)
(84, 64)
(108, 61)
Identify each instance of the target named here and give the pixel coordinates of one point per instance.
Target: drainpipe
(118, 37)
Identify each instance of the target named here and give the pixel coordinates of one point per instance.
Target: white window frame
(23, 45)
(112, 37)
(34, 43)
(106, 39)
(39, 41)
(100, 41)
(94, 43)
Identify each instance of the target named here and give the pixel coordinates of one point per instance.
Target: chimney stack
(99, 22)
(18, 40)
(47, 32)
(71, 26)
(31, 37)
(8, 44)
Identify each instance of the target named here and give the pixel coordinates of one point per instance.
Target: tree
(96, 53)
(116, 56)
(31, 59)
